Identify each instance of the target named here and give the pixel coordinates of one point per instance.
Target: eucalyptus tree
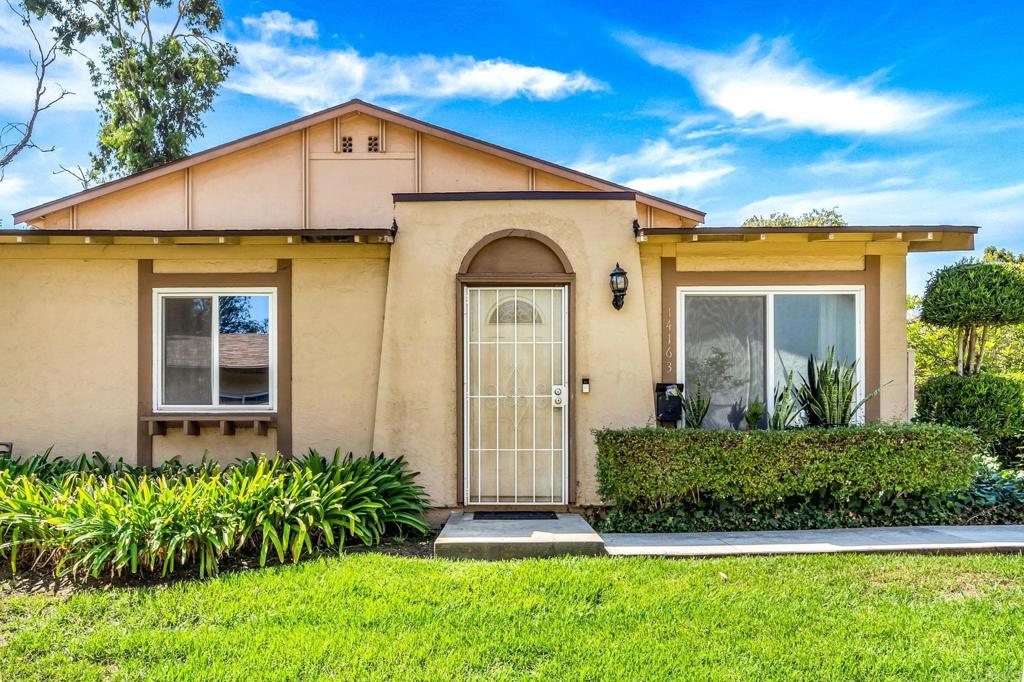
(20, 135)
(155, 66)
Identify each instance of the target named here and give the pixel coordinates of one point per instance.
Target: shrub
(990, 404)
(651, 468)
(993, 498)
(91, 516)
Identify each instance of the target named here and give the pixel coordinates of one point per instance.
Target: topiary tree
(971, 297)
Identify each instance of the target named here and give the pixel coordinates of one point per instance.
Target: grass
(369, 616)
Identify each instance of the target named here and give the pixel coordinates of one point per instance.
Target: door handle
(558, 396)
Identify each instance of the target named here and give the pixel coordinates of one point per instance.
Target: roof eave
(918, 237)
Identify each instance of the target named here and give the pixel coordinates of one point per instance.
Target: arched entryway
(515, 372)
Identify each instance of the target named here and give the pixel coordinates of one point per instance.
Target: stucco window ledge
(259, 422)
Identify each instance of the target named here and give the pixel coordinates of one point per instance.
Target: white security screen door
(515, 387)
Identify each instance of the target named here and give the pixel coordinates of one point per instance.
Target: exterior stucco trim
(524, 234)
(672, 279)
(463, 279)
(150, 280)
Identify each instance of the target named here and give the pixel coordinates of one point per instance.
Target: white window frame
(769, 293)
(162, 294)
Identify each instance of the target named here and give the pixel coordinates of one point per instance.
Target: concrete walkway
(920, 539)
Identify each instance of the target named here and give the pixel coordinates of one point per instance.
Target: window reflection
(244, 350)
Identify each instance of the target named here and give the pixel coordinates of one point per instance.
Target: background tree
(238, 316)
(971, 297)
(996, 255)
(154, 77)
(17, 136)
(818, 217)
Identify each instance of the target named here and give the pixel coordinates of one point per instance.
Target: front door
(515, 388)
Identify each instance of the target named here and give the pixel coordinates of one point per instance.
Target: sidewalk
(921, 539)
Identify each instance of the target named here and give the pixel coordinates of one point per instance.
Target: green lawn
(369, 616)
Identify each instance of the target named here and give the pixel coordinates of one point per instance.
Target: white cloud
(276, 22)
(841, 165)
(661, 167)
(12, 187)
(309, 77)
(765, 82)
(670, 183)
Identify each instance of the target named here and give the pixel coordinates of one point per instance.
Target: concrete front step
(464, 537)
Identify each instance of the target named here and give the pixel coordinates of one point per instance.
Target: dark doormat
(514, 516)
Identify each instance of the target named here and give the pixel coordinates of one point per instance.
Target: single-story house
(360, 278)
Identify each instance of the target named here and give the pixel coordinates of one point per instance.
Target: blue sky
(900, 112)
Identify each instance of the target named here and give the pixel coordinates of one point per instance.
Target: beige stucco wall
(337, 323)
(162, 199)
(68, 364)
(357, 193)
(448, 167)
(212, 444)
(892, 292)
(650, 264)
(758, 256)
(259, 187)
(416, 402)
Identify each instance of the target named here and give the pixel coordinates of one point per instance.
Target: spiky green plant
(695, 407)
(785, 406)
(828, 397)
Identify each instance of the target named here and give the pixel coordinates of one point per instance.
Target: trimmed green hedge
(652, 468)
(995, 497)
(991, 404)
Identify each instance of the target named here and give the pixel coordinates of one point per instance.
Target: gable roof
(354, 105)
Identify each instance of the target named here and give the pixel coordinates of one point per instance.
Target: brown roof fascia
(513, 196)
(329, 114)
(273, 232)
(872, 229)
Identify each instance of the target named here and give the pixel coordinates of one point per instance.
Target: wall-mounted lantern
(619, 282)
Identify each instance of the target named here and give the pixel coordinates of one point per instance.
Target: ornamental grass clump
(89, 516)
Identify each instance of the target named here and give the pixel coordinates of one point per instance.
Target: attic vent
(346, 144)
(373, 143)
